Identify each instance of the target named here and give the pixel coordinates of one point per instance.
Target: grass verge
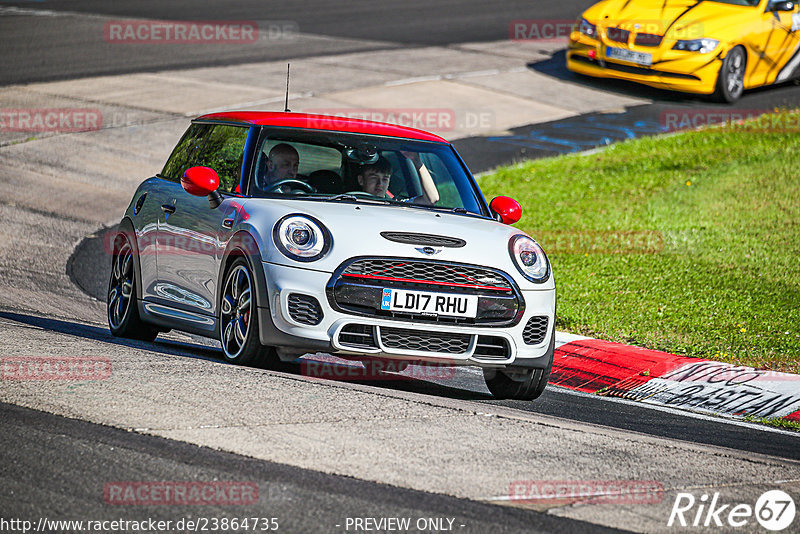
(687, 243)
(777, 422)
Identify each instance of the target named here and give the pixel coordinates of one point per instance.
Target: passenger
(373, 178)
(282, 164)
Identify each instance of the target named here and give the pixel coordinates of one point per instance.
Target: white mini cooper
(281, 234)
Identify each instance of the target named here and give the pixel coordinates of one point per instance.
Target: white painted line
(406, 81)
(243, 105)
(12, 11)
(566, 337)
(584, 496)
(473, 74)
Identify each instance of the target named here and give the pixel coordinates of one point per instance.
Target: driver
(282, 163)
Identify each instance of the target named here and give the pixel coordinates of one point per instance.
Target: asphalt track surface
(88, 268)
(67, 46)
(71, 462)
(594, 130)
(55, 463)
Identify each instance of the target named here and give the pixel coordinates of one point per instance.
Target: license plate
(423, 302)
(639, 58)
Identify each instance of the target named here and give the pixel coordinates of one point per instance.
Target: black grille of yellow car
(356, 287)
(647, 39)
(618, 34)
(536, 330)
(304, 309)
(630, 68)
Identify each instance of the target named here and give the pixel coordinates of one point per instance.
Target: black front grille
(536, 330)
(424, 239)
(427, 272)
(631, 69)
(304, 309)
(647, 39)
(492, 347)
(357, 288)
(618, 34)
(403, 338)
(358, 335)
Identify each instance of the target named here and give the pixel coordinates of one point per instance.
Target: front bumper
(674, 70)
(279, 329)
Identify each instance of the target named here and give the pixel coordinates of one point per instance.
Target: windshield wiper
(342, 196)
(354, 198)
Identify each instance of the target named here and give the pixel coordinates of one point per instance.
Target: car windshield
(750, 3)
(334, 166)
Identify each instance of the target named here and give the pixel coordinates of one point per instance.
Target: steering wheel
(300, 185)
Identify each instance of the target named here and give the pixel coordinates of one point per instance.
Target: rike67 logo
(774, 510)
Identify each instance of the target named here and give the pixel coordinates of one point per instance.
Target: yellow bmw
(719, 47)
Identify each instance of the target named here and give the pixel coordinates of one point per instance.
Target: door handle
(168, 208)
(227, 223)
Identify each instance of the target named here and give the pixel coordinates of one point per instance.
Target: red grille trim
(446, 284)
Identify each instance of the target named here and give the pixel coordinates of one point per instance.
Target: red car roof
(322, 122)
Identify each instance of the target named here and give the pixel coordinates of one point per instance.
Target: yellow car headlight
(701, 46)
(587, 28)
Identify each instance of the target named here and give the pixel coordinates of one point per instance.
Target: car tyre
(121, 307)
(238, 318)
(730, 80)
(520, 383)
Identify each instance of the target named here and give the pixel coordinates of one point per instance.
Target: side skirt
(175, 319)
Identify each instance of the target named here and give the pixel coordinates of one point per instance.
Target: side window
(223, 151)
(312, 157)
(185, 153)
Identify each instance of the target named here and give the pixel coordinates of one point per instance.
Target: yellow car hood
(681, 19)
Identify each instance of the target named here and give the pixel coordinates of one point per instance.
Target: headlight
(587, 28)
(301, 237)
(696, 45)
(529, 258)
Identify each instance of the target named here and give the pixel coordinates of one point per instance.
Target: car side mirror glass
(782, 6)
(507, 209)
(201, 182)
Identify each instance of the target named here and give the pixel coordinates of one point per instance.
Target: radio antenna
(287, 89)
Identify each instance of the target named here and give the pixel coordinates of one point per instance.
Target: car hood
(356, 231)
(681, 19)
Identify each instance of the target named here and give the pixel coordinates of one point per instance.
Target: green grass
(687, 243)
(776, 422)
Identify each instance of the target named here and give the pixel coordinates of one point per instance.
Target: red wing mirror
(201, 182)
(507, 209)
